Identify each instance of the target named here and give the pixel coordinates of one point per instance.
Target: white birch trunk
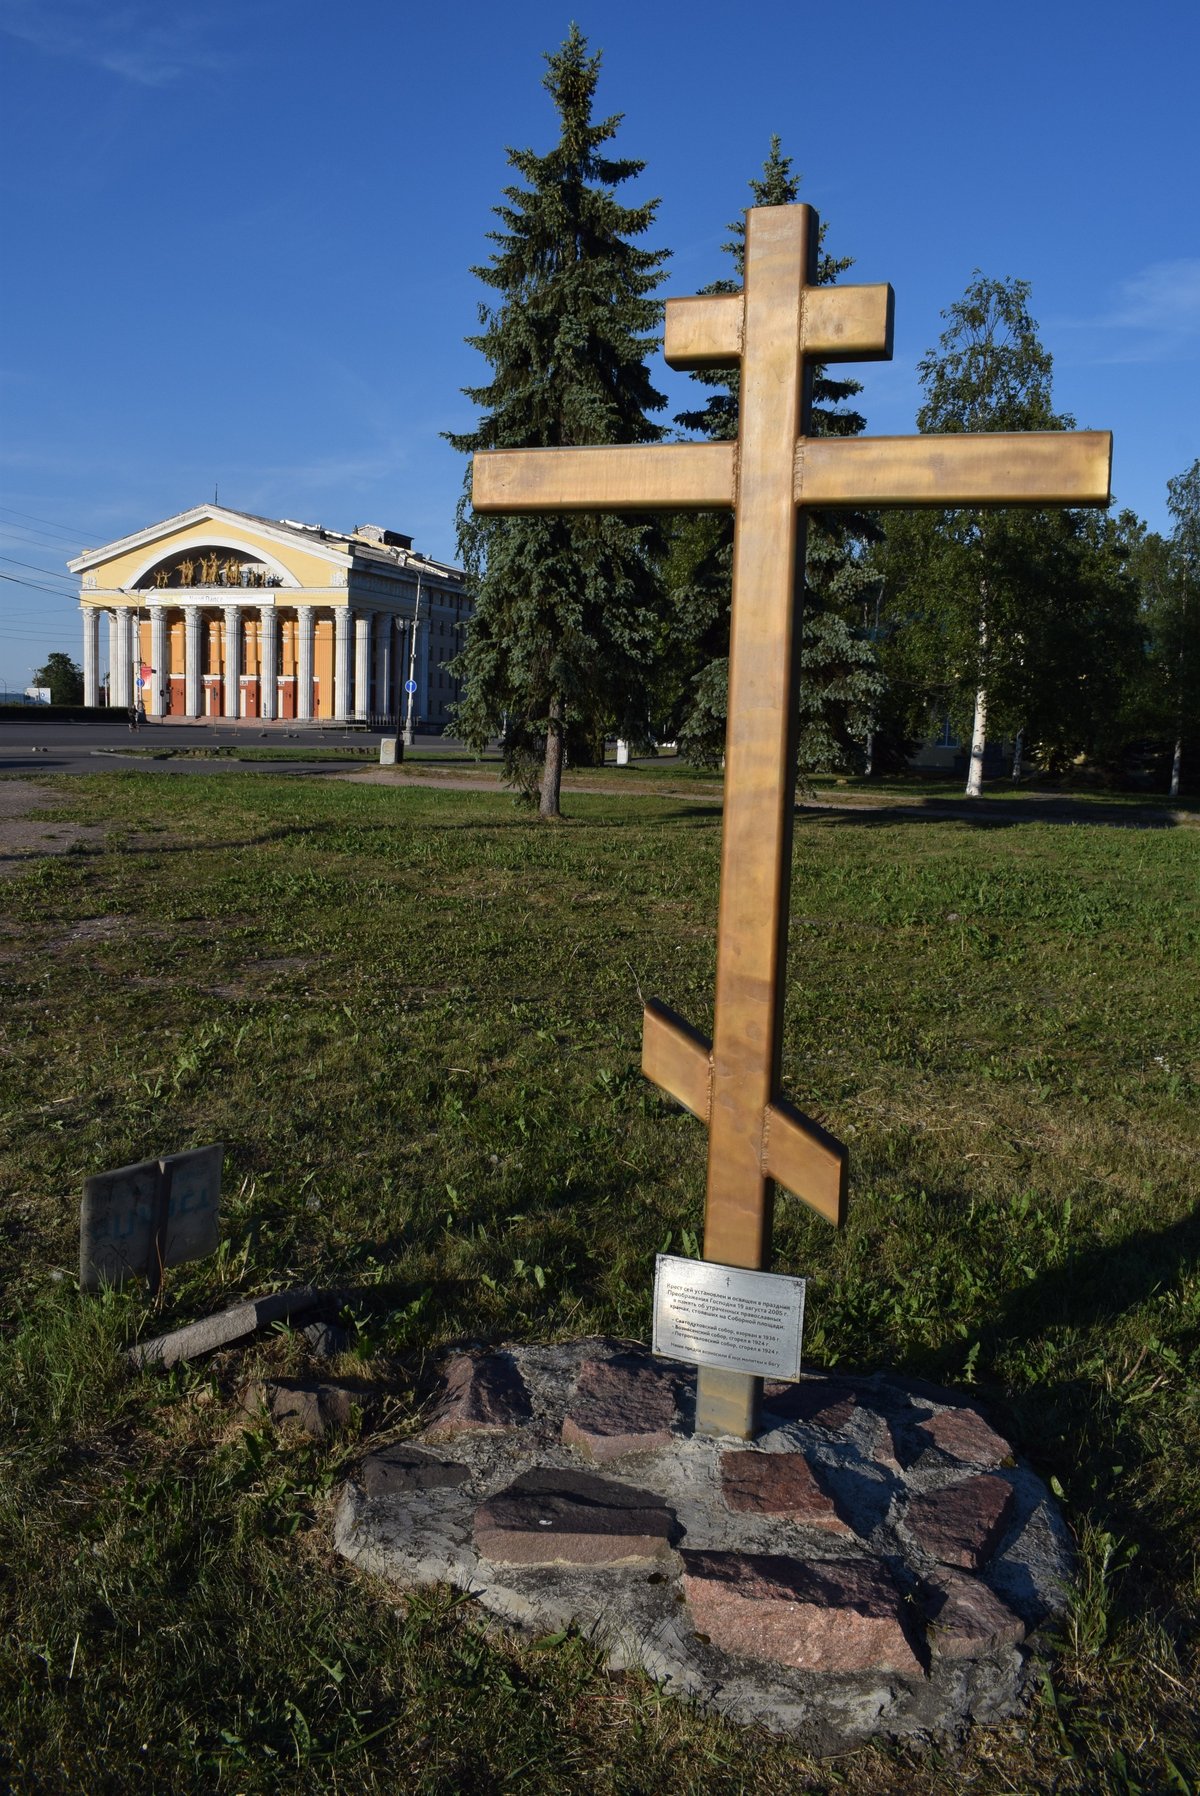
(978, 744)
(1018, 749)
(979, 727)
(1176, 766)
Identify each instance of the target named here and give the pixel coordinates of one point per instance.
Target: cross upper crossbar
(776, 329)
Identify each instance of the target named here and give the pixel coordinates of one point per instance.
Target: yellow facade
(215, 613)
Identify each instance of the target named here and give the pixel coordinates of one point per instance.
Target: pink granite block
(962, 1523)
(813, 1615)
(825, 1402)
(482, 1391)
(887, 1446)
(619, 1406)
(963, 1434)
(778, 1484)
(548, 1517)
(966, 1618)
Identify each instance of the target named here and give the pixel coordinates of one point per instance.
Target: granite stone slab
(962, 1523)
(825, 1616)
(781, 1484)
(620, 1405)
(563, 1517)
(480, 1392)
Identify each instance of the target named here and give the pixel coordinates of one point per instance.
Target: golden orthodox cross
(776, 329)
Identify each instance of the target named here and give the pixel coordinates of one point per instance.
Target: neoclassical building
(221, 614)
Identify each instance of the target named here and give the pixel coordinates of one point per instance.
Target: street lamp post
(410, 685)
(135, 690)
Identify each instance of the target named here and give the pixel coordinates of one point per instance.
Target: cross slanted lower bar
(776, 329)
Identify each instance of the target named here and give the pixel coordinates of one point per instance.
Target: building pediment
(223, 548)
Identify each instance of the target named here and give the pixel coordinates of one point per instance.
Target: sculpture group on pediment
(210, 570)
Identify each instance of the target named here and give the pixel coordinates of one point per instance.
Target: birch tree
(1175, 620)
(989, 372)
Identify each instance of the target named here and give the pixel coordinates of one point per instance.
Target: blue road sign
(410, 685)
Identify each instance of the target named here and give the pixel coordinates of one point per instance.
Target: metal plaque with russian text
(724, 1316)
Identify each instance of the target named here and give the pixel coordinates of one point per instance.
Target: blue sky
(237, 238)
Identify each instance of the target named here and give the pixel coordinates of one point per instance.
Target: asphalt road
(55, 747)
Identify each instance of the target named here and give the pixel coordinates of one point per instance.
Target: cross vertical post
(760, 768)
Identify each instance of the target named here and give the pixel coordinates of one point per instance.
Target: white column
(342, 617)
(304, 663)
(362, 663)
(383, 662)
(119, 659)
(268, 662)
(160, 679)
(192, 706)
(112, 657)
(233, 660)
(91, 654)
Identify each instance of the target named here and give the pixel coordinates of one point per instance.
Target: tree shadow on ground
(1082, 1426)
(1003, 814)
(1097, 1284)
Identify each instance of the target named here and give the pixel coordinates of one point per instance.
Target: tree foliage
(1173, 617)
(565, 623)
(984, 604)
(841, 687)
(63, 676)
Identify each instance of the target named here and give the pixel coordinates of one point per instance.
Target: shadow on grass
(986, 814)
(1091, 1287)
(1100, 1283)
(1092, 1426)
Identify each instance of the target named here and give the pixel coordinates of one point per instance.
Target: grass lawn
(413, 1015)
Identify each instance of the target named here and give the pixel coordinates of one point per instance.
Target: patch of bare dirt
(94, 929)
(26, 838)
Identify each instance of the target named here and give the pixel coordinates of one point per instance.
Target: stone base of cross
(776, 329)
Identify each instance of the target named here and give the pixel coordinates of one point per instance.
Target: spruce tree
(840, 683)
(566, 619)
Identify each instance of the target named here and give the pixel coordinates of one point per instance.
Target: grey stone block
(223, 1329)
(326, 1339)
